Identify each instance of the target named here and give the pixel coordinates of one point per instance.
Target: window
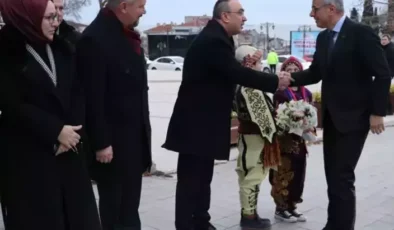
(282, 59)
(164, 60)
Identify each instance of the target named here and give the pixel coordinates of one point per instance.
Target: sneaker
(255, 223)
(300, 217)
(285, 216)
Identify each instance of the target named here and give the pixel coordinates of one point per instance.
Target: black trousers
(120, 198)
(389, 107)
(193, 192)
(341, 154)
(273, 68)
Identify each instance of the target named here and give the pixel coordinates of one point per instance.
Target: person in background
(257, 145)
(288, 179)
(111, 63)
(272, 60)
(65, 30)
(47, 184)
(388, 48)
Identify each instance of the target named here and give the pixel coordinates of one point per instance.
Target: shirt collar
(337, 28)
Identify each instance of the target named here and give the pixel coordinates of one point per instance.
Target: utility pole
(267, 26)
(304, 29)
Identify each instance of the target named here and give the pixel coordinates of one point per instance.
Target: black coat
(389, 51)
(201, 120)
(41, 190)
(116, 90)
(350, 93)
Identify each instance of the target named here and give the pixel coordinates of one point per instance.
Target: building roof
(161, 28)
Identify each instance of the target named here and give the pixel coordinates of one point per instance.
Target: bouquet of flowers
(297, 117)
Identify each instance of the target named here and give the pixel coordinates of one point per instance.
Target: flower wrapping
(297, 117)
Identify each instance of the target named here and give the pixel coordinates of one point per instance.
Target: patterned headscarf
(248, 56)
(250, 61)
(291, 61)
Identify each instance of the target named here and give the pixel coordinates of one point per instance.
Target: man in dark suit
(199, 128)
(112, 65)
(350, 62)
(388, 48)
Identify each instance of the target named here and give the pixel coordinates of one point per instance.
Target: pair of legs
(251, 173)
(287, 187)
(341, 154)
(273, 68)
(193, 192)
(120, 197)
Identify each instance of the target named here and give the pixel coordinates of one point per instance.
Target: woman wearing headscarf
(257, 145)
(45, 183)
(288, 180)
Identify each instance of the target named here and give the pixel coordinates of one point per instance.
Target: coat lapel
(339, 43)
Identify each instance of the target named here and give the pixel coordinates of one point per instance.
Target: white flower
(296, 117)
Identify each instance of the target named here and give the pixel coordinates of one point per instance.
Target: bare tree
(102, 3)
(74, 7)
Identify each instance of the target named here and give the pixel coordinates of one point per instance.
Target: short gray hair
(337, 3)
(114, 3)
(220, 7)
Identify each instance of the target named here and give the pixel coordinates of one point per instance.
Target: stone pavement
(375, 193)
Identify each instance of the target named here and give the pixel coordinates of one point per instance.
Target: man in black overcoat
(350, 62)
(388, 48)
(199, 128)
(111, 64)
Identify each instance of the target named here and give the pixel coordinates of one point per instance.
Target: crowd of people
(75, 108)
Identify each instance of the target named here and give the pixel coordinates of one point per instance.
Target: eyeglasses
(51, 18)
(240, 12)
(316, 9)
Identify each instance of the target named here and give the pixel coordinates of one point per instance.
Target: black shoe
(207, 226)
(300, 217)
(285, 216)
(255, 223)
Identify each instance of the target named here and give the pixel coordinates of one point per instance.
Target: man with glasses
(199, 128)
(350, 62)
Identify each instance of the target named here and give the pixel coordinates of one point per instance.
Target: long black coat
(116, 89)
(40, 190)
(389, 51)
(201, 120)
(355, 79)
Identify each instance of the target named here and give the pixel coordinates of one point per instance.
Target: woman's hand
(69, 137)
(61, 149)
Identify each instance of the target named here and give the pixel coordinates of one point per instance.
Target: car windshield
(178, 59)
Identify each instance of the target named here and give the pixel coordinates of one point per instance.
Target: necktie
(331, 42)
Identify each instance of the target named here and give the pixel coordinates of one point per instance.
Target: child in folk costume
(258, 148)
(288, 181)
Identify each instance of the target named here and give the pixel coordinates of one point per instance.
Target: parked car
(167, 63)
(282, 58)
(147, 62)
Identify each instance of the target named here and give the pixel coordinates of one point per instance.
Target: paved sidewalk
(375, 193)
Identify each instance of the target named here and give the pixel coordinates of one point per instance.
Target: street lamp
(304, 29)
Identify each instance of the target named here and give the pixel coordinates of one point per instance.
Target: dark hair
(387, 36)
(220, 7)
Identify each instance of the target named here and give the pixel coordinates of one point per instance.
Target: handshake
(284, 80)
